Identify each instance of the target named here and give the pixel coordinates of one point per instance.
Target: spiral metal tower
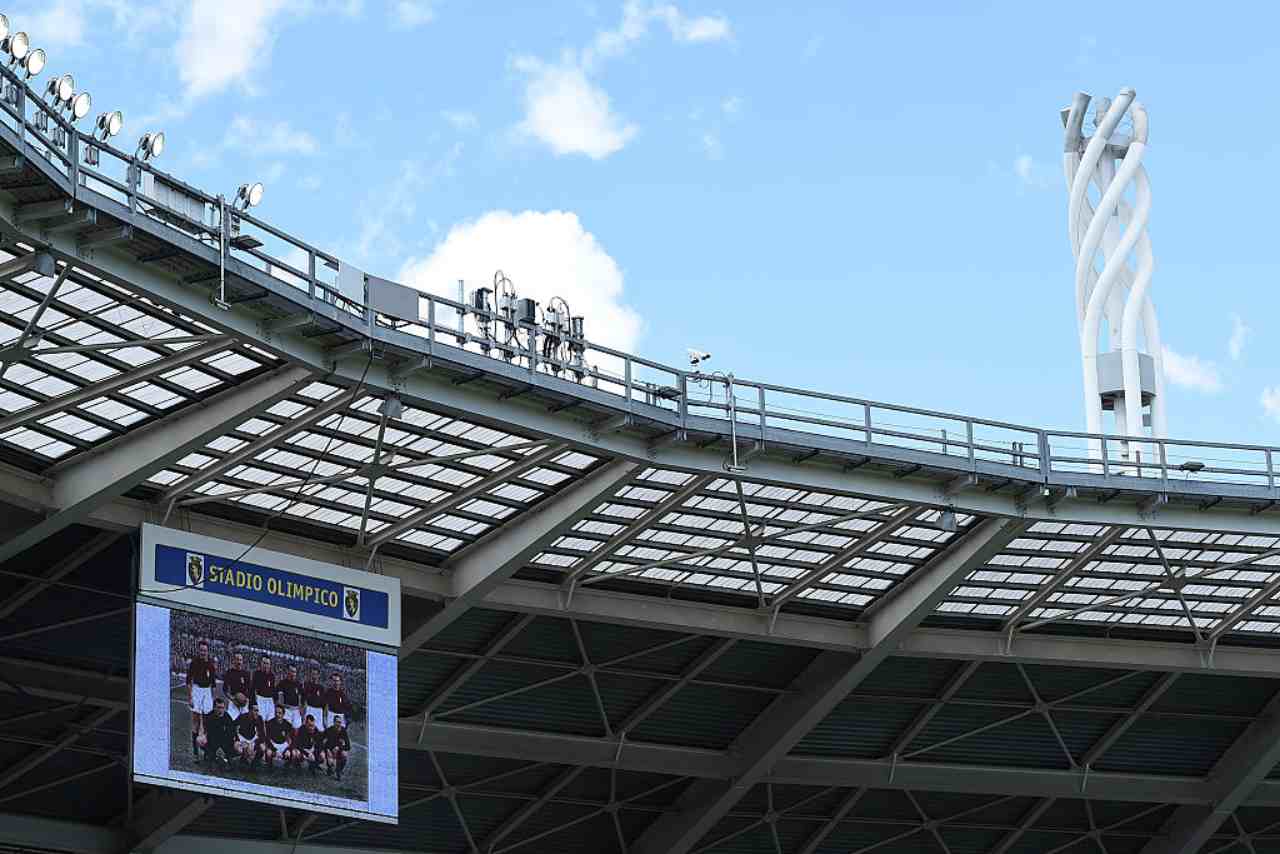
(1123, 371)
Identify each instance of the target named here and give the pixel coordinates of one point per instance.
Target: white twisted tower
(1112, 235)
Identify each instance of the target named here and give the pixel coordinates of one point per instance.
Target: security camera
(697, 357)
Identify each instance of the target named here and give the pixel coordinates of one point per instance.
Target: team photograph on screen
(267, 706)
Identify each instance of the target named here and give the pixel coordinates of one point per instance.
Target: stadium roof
(647, 610)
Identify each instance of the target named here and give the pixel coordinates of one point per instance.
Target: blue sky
(835, 197)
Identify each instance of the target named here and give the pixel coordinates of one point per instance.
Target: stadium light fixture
(249, 195)
(17, 45)
(80, 106)
(392, 407)
(61, 89)
(109, 124)
(34, 63)
(151, 145)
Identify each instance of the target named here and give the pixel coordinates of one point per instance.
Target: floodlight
(4, 26)
(80, 106)
(109, 124)
(62, 89)
(34, 63)
(151, 145)
(17, 46)
(249, 195)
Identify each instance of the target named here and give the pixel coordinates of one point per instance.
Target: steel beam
(721, 768)
(818, 690)
(452, 502)
(493, 560)
(57, 572)
(1232, 780)
(161, 815)
(93, 479)
(93, 391)
(18, 770)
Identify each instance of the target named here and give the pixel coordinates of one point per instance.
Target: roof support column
(828, 680)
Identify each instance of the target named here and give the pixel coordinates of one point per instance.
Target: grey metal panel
(392, 298)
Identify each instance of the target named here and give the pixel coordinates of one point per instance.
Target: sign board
(264, 676)
(178, 568)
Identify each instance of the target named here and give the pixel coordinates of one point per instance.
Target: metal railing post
(1042, 441)
(1164, 463)
(866, 423)
(1106, 461)
(683, 385)
(760, 390)
(1271, 475)
(968, 435)
(311, 274)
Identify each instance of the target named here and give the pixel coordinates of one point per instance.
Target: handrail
(759, 410)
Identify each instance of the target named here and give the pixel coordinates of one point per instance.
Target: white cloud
(712, 146)
(1270, 401)
(572, 114)
(1192, 372)
(385, 209)
(460, 119)
(1240, 333)
(636, 18)
(1030, 174)
(310, 183)
(409, 14)
(266, 138)
(731, 106)
(569, 113)
(224, 43)
(545, 254)
(59, 24)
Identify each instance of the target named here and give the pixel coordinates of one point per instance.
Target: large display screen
(247, 711)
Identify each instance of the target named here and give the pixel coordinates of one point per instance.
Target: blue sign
(198, 570)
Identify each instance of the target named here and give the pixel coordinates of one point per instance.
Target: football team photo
(267, 707)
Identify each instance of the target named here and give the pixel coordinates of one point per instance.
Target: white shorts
(201, 699)
(318, 715)
(241, 741)
(266, 708)
(281, 747)
(234, 711)
(331, 717)
(293, 716)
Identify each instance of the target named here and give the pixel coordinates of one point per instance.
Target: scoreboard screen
(265, 676)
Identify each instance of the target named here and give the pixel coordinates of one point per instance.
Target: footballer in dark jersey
(289, 695)
(200, 679)
(336, 702)
(219, 734)
(337, 747)
(308, 745)
(279, 739)
(251, 737)
(264, 689)
(236, 679)
(313, 698)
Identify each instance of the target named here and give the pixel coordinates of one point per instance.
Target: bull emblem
(195, 569)
(352, 603)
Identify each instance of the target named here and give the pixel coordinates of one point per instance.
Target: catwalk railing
(754, 414)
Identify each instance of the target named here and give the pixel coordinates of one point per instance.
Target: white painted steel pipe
(1111, 233)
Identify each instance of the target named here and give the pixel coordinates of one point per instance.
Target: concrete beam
(94, 478)
(492, 561)
(827, 681)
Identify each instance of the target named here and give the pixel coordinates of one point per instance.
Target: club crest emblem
(351, 603)
(195, 570)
